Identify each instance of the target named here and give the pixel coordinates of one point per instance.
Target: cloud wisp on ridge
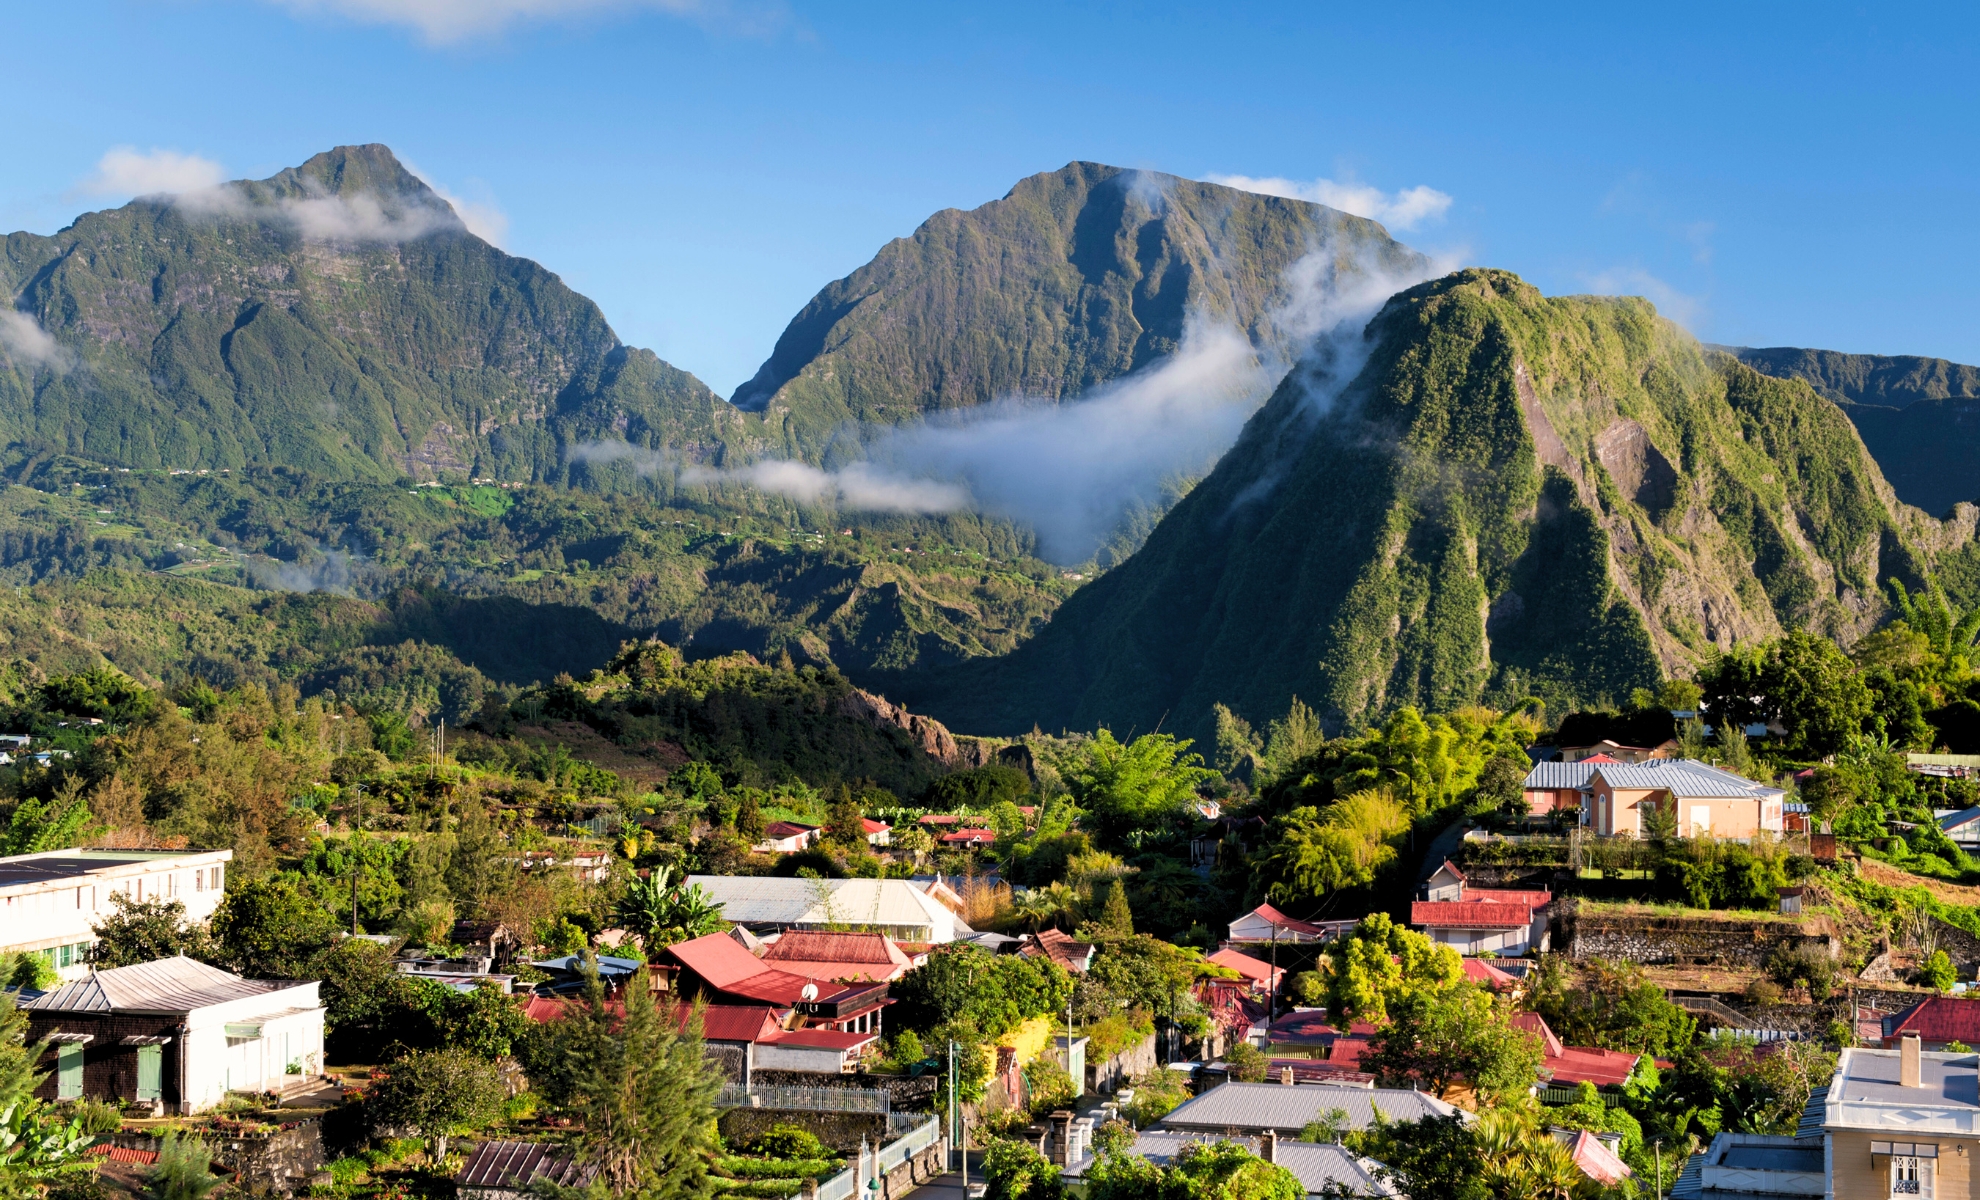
(1404, 209)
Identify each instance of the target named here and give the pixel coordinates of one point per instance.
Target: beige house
(1708, 802)
(1892, 1123)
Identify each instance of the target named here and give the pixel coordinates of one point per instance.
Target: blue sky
(1771, 175)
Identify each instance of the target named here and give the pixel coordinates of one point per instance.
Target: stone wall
(1688, 941)
(1960, 946)
(282, 1161)
(841, 1131)
(1114, 1073)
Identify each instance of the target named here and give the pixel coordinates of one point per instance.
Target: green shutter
(69, 1071)
(151, 1073)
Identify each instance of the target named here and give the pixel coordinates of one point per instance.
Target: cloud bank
(1682, 307)
(442, 22)
(1075, 472)
(125, 171)
(1405, 209)
(25, 343)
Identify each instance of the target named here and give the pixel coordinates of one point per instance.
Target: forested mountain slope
(1919, 416)
(1516, 495)
(336, 317)
(1076, 277)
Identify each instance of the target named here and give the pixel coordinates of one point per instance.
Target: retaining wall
(1114, 1073)
(282, 1161)
(1688, 941)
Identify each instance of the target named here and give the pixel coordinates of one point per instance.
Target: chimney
(1909, 1066)
(1286, 1076)
(1268, 1146)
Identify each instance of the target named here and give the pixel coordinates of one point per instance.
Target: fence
(808, 1099)
(848, 1182)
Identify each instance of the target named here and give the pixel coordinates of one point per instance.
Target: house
(1619, 753)
(1491, 978)
(1477, 920)
(1569, 1066)
(1321, 1169)
(718, 969)
(491, 940)
(1705, 800)
(1263, 977)
(1593, 1153)
(1060, 947)
(1891, 1122)
(1257, 1108)
(512, 1170)
(1266, 924)
(1938, 1021)
(878, 833)
(895, 907)
(872, 957)
(1963, 827)
(589, 867)
(51, 901)
(1556, 787)
(175, 1033)
(968, 838)
(787, 837)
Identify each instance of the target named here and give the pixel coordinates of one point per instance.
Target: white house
(50, 901)
(175, 1033)
(894, 907)
(787, 837)
(1480, 920)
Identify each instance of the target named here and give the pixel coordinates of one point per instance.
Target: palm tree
(660, 910)
(1034, 908)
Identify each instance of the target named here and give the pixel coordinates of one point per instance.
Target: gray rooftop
(1560, 774)
(1684, 777)
(55, 866)
(1871, 1076)
(1315, 1165)
(1259, 1106)
(169, 985)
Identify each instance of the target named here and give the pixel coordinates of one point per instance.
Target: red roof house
(1485, 975)
(716, 966)
(1061, 948)
(787, 837)
(1937, 1021)
(1261, 975)
(819, 954)
(1594, 1157)
(1475, 920)
(1266, 924)
(1570, 1065)
(969, 838)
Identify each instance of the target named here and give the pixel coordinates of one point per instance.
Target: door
(68, 1071)
(151, 1073)
(1701, 820)
(1911, 1176)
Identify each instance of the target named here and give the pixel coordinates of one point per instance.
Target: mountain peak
(348, 171)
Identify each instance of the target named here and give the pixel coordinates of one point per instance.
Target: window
(1911, 1176)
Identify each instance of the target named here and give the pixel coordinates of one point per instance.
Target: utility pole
(953, 1112)
(357, 826)
(1660, 1169)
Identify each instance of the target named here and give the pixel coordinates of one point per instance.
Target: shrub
(1247, 1063)
(1049, 1085)
(1763, 992)
(789, 1142)
(1016, 1171)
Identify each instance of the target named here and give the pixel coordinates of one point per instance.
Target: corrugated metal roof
(1559, 775)
(169, 985)
(1465, 914)
(818, 945)
(766, 900)
(516, 1165)
(1276, 1106)
(1684, 777)
(1316, 1165)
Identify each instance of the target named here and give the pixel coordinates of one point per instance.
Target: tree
(1457, 1032)
(1214, 1171)
(1502, 787)
(1937, 972)
(1247, 1063)
(660, 910)
(1145, 973)
(991, 994)
(845, 821)
(1380, 963)
(184, 1170)
(268, 929)
(18, 1077)
(53, 823)
(142, 931)
(436, 1094)
(485, 1022)
(1117, 919)
(643, 1092)
(37, 1145)
(1014, 1170)
(1315, 851)
(1140, 788)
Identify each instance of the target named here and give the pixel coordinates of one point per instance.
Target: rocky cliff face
(1516, 495)
(336, 317)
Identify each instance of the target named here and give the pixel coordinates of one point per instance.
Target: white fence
(873, 1163)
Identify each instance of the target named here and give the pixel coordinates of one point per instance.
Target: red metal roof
(1478, 971)
(1465, 914)
(124, 1154)
(971, 835)
(1060, 947)
(1940, 1019)
(814, 954)
(1591, 1064)
(1273, 916)
(777, 831)
(733, 1022)
(1597, 1161)
(873, 826)
(1535, 898)
(1255, 969)
(822, 1039)
(724, 965)
(1534, 1023)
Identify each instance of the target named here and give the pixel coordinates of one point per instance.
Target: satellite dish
(809, 993)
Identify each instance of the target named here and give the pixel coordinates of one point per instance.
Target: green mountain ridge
(336, 317)
(1919, 416)
(1518, 495)
(1074, 278)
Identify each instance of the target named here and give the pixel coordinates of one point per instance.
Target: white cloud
(859, 486)
(24, 342)
(444, 21)
(482, 218)
(125, 171)
(363, 218)
(1405, 209)
(1682, 307)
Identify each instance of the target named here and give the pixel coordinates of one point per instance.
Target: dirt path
(1889, 876)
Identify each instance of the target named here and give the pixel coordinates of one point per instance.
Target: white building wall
(291, 1031)
(57, 916)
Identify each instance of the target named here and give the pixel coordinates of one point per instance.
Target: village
(930, 1029)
